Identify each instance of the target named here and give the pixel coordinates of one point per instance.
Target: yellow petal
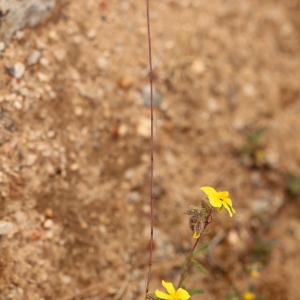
(212, 195)
(215, 201)
(169, 287)
(223, 195)
(196, 235)
(161, 295)
(249, 296)
(182, 294)
(208, 190)
(228, 201)
(228, 208)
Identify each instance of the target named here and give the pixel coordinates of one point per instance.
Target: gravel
(17, 70)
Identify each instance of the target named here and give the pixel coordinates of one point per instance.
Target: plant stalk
(188, 260)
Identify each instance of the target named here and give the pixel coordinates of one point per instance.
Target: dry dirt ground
(74, 127)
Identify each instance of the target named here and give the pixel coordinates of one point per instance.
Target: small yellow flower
(180, 294)
(218, 199)
(249, 296)
(254, 273)
(196, 235)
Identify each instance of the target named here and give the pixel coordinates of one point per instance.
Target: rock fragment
(102, 63)
(19, 14)
(143, 127)
(198, 67)
(157, 99)
(134, 197)
(5, 228)
(17, 70)
(2, 46)
(126, 82)
(48, 224)
(34, 57)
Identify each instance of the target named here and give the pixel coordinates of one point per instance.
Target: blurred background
(74, 146)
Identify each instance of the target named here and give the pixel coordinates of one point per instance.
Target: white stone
(2, 46)
(144, 127)
(17, 70)
(34, 57)
(19, 14)
(48, 224)
(102, 63)
(5, 227)
(198, 67)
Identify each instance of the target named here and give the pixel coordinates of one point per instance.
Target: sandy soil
(74, 148)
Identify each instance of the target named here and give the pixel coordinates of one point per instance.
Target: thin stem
(188, 260)
(151, 149)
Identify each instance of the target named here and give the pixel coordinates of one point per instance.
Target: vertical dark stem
(151, 148)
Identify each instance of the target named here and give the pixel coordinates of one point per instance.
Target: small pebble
(5, 227)
(91, 34)
(123, 130)
(126, 82)
(31, 159)
(17, 70)
(102, 63)
(18, 104)
(212, 105)
(60, 54)
(78, 110)
(198, 67)
(157, 99)
(53, 35)
(45, 62)
(19, 35)
(49, 213)
(2, 46)
(43, 77)
(249, 90)
(36, 235)
(134, 197)
(144, 127)
(83, 224)
(233, 237)
(103, 229)
(146, 209)
(66, 279)
(34, 57)
(48, 224)
(49, 235)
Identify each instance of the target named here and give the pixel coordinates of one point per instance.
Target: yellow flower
(218, 199)
(249, 296)
(254, 271)
(180, 294)
(196, 235)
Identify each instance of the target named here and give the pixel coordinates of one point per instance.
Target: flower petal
(182, 294)
(249, 296)
(212, 195)
(196, 235)
(229, 203)
(161, 295)
(223, 195)
(215, 201)
(208, 190)
(169, 287)
(228, 208)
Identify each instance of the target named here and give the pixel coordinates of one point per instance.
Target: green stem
(188, 260)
